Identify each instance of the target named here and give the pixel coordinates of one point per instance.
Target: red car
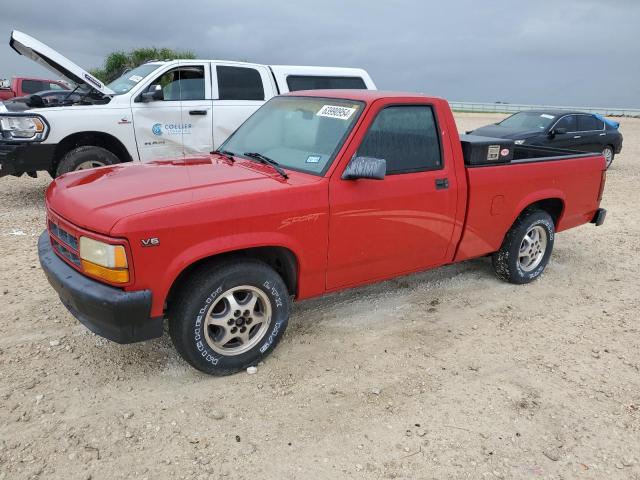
(316, 192)
(24, 86)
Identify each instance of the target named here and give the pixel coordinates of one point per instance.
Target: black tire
(507, 261)
(204, 291)
(80, 156)
(613, 154)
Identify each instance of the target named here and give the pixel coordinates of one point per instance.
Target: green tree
(118, 62)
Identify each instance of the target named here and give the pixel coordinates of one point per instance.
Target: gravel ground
(445, 374)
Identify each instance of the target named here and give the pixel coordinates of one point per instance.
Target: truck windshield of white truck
(130, 79)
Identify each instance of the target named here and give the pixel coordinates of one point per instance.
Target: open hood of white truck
(55, 62)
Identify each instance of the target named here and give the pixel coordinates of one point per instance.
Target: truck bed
(498, 193)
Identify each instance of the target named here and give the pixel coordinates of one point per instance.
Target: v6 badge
(150, 242)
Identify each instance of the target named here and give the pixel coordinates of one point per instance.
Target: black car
(581, 131)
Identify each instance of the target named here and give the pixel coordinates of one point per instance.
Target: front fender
(220, 245)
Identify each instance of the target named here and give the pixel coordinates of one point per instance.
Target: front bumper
(16, 159)
(120, 316)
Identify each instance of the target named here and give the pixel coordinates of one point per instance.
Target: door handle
(602, 134)
(442, 183)
(577, 136)
(197, 112)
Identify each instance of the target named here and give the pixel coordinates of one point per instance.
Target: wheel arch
(90, 138)
(552, 202)
(282, 259)
(553, 206)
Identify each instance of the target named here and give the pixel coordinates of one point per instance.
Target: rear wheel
(608, 154)
(227, 317)
(526, 248)
(85, 157)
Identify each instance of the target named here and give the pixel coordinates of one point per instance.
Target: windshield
(130, 79)
(528, 121)
(300, 133)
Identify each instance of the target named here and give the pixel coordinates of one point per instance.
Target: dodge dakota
(316, 192)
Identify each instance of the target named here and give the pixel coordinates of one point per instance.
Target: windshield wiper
(267, 161)
(226, 154)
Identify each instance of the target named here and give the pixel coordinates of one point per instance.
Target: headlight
(103, 260)
(518, 142)
(22, 127)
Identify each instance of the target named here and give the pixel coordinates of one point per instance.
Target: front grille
(65, 244)
(66, 253)
(63, 235)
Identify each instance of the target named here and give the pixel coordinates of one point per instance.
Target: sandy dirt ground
(445, 374)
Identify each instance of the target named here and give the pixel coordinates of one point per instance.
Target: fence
(518, 107)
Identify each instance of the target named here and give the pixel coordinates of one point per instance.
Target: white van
(161, 109)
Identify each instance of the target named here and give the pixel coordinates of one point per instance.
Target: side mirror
(557, 131)
(154, 92)
(365, 167)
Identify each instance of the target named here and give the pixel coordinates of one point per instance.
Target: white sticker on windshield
(550, 117)
(335, 111)
(313, 158)
(135, 78)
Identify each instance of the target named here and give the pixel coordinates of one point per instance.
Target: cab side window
(570, 123)
(183, 83)
(239, 83)
(406, 137)
(33, 86)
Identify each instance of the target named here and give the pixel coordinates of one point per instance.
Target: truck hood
(55, 62)
(497, 131)
(98, 198)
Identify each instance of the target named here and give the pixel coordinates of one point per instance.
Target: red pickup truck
(23, 86)
(316, 192)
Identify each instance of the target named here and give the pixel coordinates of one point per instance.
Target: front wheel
(526, 248)
(227, 317)
(608, 154)
(85, 157)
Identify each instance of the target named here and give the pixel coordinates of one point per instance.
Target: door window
(315, 82)
(406, 137)
(239, 83)
(588, 122)
(183, 83)
(570, 123)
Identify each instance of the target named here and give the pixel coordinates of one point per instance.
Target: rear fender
(535, 197)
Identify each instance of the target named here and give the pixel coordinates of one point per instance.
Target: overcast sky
(562, 52)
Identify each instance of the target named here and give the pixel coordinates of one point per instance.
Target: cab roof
(361, 95)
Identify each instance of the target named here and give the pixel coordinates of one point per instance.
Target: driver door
(403, 223)
(180, 122)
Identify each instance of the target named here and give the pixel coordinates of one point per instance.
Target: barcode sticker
(493, 152)
(335, 111)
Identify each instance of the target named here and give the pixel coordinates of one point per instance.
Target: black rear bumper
(123, 317)
(16, 159)
(599, 216)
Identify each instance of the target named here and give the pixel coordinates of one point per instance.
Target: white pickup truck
(161, 109)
